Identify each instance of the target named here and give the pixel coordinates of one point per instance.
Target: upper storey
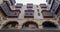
(25, 11)
(5, 8)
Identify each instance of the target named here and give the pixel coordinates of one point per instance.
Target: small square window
(38, 10)
(38, 14)
(37, 6)
(31, 13)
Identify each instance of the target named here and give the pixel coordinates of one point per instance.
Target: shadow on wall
(30, 24)
(11, 24)
(49, 24)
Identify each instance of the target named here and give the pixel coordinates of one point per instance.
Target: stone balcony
(47, 14)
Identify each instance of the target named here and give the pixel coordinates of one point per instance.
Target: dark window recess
(37, 6)
(38, 10)
(29, 10)
(18, 5)
(43, 7)
(29, 5)
(47, 14)
(38, 14)
(26, 25)
(29, 14)
(11, 24)
(49, 24)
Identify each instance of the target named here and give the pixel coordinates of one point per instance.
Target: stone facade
(37, 19)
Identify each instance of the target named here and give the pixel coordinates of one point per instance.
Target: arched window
(11, 24)
(30, 24)
(49, 24)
